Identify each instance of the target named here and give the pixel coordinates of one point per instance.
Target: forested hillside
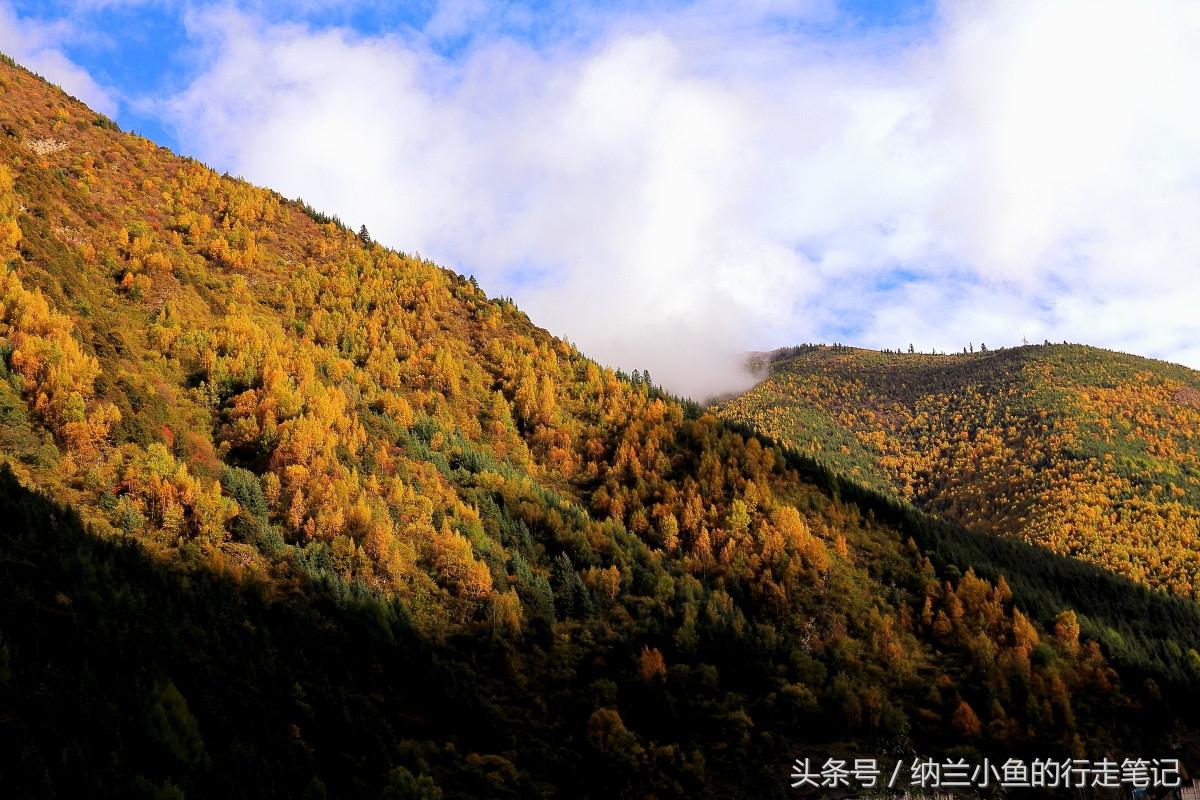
(1086, 452)
(341, 525)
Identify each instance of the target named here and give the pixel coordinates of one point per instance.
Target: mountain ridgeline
(287, 513)
(1086, 452)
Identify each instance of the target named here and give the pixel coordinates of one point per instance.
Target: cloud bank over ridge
(669, 187)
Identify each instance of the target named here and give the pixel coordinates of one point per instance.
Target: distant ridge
(1089, 452)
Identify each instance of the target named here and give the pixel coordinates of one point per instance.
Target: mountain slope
(324, 455)
(1089, 453)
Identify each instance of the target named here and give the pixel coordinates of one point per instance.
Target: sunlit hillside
(1086, 452)
(359, 530)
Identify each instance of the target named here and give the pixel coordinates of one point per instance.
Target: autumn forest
(287, 513)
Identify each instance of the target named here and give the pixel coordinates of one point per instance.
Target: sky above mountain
(671, 184)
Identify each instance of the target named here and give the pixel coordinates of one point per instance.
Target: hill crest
(1089, 452)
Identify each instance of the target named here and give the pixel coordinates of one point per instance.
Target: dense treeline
(124, 677)
(1148, 631)
(1086, 452)
(430, 544)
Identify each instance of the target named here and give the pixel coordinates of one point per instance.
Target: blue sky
(671, 184)
(143, 49)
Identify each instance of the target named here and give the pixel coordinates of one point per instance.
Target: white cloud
(38, 46)
(670, 190)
